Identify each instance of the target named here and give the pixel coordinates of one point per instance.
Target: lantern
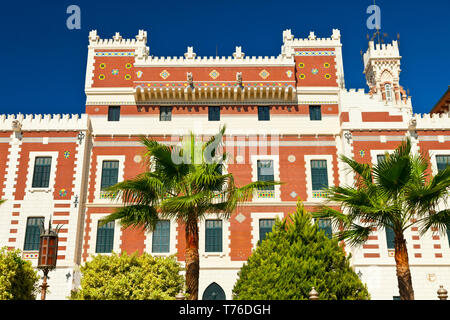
(48, 254)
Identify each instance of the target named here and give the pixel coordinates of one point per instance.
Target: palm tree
(398, 193)
(186, 191)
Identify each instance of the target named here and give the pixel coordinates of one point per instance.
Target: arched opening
(214, 292)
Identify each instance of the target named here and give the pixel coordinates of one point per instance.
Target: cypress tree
(292, 259)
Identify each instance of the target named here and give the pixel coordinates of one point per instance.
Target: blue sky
(44, 63)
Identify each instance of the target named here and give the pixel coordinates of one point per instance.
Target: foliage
(18, 279)
(292, 259)
(129, 277)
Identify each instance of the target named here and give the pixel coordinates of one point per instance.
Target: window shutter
(265, 172)
(265, 226)
(161, 237)
(41, 173)
(33, 233)
(110, 173)
(213, 236)
(114, 113)
(315, 113)
(105, 238)
(442, 162)
(319, 174)
(390, 236)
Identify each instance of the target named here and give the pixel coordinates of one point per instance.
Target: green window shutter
(448, 236)
(319, 174)
(264, 113)
(33, 233)
(161, 237)
(105, 237)
(442, 162)
(213, 113)
(114, 113)
(390, 237)
(265, 226)
(315, 113)
(41, 172)
(165, 114)
(325, 225)
(265, 172)
(213, 235)
(110, 173)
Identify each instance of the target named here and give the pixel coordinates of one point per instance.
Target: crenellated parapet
(434, 121)
(43, 122)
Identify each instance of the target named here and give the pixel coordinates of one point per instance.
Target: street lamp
(48, 254)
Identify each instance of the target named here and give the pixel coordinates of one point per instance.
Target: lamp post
(48, 254)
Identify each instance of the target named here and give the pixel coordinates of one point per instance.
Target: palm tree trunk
(403, 272)
(192, 259)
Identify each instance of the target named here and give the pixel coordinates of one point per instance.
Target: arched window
(214, 292)
(388, 91)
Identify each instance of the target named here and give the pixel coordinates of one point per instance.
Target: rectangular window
(213, 113)
(390, 236)
(33, 233)
(315, 113)
(161, 237)
(319, 174)
(114, 113)
(448, 236)
(213, 235)
(442, 162)
(396, 298)
(265, 172)
(105, 237)
(41, 173)
(110, 173)
(165, 113)
(325, 225)
(265, 226)
(263, 113)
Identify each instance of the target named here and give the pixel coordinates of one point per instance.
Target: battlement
(440, 121)
(384, 50)
(44, 122)
(117, 41)
(312, 41)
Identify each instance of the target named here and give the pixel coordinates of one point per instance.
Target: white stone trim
(98, 174)
(225, 237)
(276, 175)
(256, 216)
(30, 172)
(95, 217)
(308, 158)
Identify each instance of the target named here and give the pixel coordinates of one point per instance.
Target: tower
(382, 70)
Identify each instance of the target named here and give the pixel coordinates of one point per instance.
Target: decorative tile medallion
(128, 65)
(62, 192)
(327, 76)
(264, 74)
(302, 76)
(289, 73)
(164, 74)
(127, 76)
(102, 76)
(66, 154)
(240, 218)
(115, 72)
(326, 65)
(107, 195)
(301, 65)
(291, 158)
(266, 194)
(362, 153)
(139, 74)
(214, 74)
(30, 255)
(314, 71)
(102, 65)
(293, 194)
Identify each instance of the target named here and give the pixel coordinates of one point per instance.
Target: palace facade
(288, 118)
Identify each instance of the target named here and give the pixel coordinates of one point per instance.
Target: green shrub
(18, 279)
(129, 277)
(295, 257)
